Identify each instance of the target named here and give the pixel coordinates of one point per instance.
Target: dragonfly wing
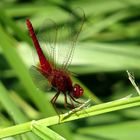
(52, 35)
(47, 37)
(77, 20)
(39, 79)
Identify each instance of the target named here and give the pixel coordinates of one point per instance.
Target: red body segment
(44, 64)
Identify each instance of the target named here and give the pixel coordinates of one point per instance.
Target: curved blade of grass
(45, 132)
(99, 26)
(125, 131)
(9, 22)
(91, 111)
(100, 57)
(28, 109)
(105, 107)
(101, 7)
(12, 109)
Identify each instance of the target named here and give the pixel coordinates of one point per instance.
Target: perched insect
(57, 77)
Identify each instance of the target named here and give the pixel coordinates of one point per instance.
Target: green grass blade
(10, 23)
(12, 109)
(91, 111)
(45, 132)
(100, 57)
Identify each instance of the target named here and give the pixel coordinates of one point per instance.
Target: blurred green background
(108, 45)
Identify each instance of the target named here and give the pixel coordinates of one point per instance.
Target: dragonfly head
(77, 91)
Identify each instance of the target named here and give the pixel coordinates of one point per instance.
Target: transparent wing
(77, 20)
(58, 40)
(40, 80)
(62, 49)
(47, 37)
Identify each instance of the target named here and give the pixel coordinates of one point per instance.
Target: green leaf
(45, 132)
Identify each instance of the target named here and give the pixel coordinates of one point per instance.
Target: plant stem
(91, 111)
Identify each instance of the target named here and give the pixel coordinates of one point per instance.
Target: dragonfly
(57, 77)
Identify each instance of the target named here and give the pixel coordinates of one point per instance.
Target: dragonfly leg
(73, 106)
(53, 101)
(71, 97)
(66, 104)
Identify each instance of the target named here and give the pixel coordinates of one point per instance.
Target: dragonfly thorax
(61, 81)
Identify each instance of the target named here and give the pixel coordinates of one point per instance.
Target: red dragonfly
(59, 78)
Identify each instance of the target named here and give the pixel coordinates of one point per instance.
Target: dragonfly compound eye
(77, 91)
